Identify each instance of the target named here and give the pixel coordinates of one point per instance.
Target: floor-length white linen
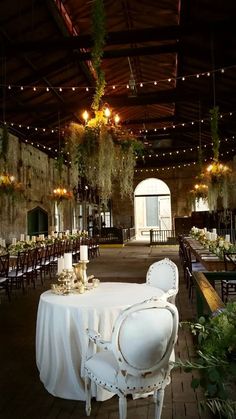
(61, 340)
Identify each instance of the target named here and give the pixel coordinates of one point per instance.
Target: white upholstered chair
(164, 274)
(138, 359)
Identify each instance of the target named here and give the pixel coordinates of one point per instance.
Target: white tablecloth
(61, 340)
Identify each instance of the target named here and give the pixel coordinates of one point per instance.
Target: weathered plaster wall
(36, 171)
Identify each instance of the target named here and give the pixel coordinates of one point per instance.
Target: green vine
(98, 35)
(59, 165)
(214, 132)
(4, 144)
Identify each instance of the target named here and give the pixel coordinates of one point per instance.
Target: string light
(155, 82)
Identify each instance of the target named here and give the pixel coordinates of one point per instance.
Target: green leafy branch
(98, 34)
(59, 164)
(4, 143)
(214, 132)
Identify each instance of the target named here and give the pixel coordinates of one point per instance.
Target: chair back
(4, 265)
(144, 336)
(163, 274)
(21, 262)
(230, 261)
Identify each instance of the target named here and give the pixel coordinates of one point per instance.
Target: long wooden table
(209, 260)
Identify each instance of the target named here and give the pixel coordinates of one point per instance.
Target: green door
(37, 222)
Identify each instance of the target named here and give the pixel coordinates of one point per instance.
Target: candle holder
(67, 279)
(81, 272)
(74, 281)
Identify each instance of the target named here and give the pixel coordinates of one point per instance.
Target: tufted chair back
(164, 274)
(138, 357)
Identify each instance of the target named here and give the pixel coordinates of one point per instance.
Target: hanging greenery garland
(103, 151)
(105, 154)
(98, 35)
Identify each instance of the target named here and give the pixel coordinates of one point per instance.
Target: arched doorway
(152, 207)
(37, 220)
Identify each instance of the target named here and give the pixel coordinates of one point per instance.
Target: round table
(61, 339)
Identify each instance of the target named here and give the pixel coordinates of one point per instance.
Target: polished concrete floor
(22, 395)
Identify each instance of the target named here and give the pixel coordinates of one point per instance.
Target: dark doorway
(37, 222)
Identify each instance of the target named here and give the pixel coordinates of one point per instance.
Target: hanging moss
(104, 153)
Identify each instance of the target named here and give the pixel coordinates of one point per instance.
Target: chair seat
(3, 279)
(103, 369)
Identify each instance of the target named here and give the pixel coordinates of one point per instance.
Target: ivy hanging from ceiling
(104, 152)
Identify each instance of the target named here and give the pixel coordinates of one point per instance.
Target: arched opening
(37, 220)
(152, 207)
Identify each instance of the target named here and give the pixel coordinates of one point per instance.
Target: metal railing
(162, 237)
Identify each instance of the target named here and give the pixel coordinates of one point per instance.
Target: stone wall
(179, 182)
(38, 175)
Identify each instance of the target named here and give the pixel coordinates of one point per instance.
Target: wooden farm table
(209, 260)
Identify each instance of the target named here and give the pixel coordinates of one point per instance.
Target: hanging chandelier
(217, 173)
(60, 194)
(9, 185)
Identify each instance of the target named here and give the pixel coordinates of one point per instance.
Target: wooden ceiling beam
(86, 41)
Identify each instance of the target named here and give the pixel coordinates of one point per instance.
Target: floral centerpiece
(3, 250)
(217, 246)
(20, 246)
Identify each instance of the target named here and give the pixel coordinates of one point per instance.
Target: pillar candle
(68, 261)
(49, 236)
(52, 233)
(214, 230)
(3, 243)
(67, 232)
(227, 237)
(27, 238)
(14, 241)
(60, 265)
(83, 252)
(33, 238)
(60, 235)
(22, 237)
